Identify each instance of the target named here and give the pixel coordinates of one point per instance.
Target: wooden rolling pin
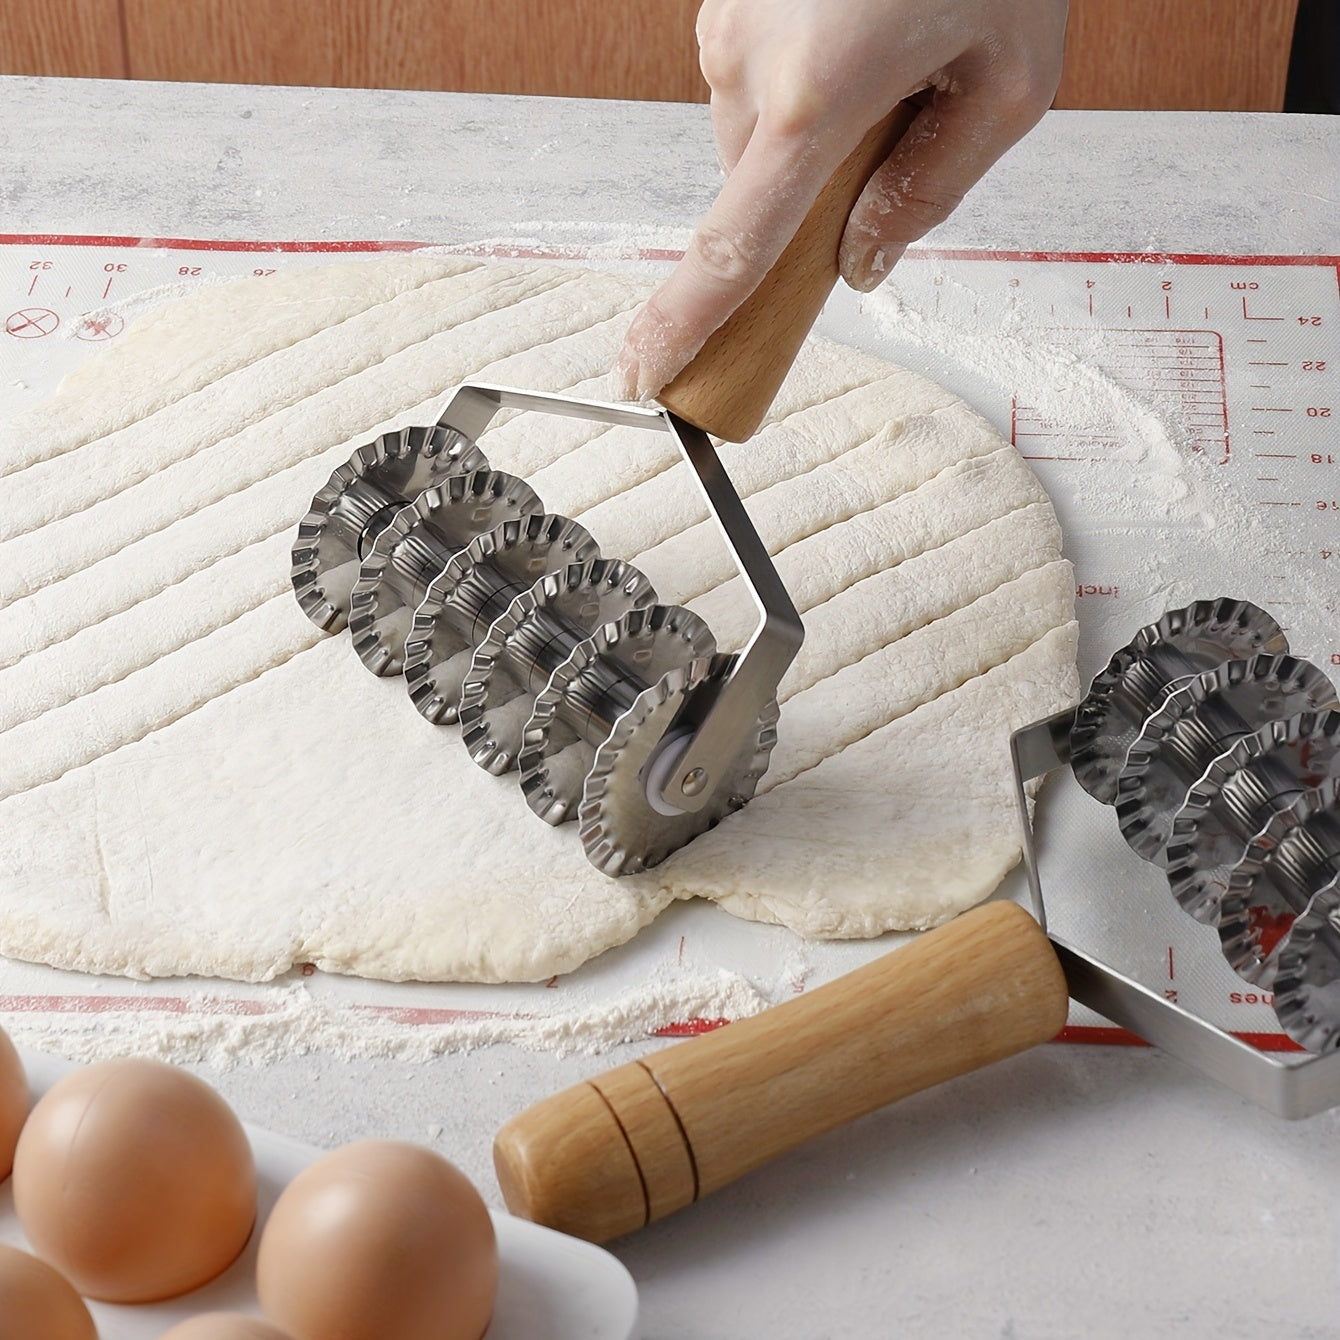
(635, 1144)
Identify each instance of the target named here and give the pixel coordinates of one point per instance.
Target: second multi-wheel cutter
(1216, 748)
(1221, 754)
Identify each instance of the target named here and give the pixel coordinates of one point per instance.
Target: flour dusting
(1156, 511)
(294, 1021)
(1064, 383)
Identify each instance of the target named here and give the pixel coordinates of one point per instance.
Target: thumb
(946, 150)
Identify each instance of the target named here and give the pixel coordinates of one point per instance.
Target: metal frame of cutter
(719, 725)
(1290, 1086)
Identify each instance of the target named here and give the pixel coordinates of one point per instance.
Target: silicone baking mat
(1181, 411)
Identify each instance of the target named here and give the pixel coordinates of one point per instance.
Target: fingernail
(632, 379)
(653, 376)
(870, 270)
(624, 376)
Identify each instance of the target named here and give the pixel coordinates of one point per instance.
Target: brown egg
(37, 1302)
(136, 1180)
(379, 1239)
(14, 1102)
(225, 1326)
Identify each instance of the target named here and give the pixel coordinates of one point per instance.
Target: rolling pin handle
(732, 381)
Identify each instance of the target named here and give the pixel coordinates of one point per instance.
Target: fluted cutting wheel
(622, 831)
(475, 587)
(418, 544)
(1307, 980)
(535, 635)
(358, 502)
(1198, 721)
(1138, 679)
(1236, 797)
(1294, 854)
(585, 696)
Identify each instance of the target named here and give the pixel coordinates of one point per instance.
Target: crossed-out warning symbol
(31, 323)
(101, 327)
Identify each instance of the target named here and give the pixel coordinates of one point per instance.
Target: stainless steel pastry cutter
(615, 710)
(557, 662)
(1213, 744)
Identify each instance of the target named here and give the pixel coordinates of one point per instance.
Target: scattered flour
(1151, 508)
(293, 1020)
(1143, 431)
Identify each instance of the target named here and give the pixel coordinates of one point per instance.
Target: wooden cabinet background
(70, 37)
(1191, 54)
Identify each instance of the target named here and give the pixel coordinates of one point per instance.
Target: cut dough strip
(154, 697)
(784, 448)
(868, 694)
(916, 591)
(148, 567)
(694, 561)
(250, 397)
(339, 412)
(108, 651)
(957, 502)
(184, 346)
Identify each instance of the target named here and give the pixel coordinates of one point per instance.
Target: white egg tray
(551, 1287)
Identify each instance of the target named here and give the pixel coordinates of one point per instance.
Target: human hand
(795, 85)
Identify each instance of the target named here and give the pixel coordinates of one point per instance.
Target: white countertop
(1073, 1191)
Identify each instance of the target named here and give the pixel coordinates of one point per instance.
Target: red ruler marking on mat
(1117, 257)
(504, 250)
(577, 252)
(690, 1028)
(1107, 1035)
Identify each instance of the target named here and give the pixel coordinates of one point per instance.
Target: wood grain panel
(62, 37)
(1189, 54)
(1207, 55)
(586, 48)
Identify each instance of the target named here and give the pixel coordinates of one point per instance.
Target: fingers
(948, 148)
(733, 124)
(723, 57)
(822, 75)
(757, 212)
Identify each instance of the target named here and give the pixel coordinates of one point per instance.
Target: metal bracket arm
(730, 715)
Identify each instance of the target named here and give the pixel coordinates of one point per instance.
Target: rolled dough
(193, 779)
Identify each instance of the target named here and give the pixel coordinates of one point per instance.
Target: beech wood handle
(728, 387)
(613, 1153)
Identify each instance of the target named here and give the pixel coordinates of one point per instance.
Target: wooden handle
(728, 387)
(611, 1154)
